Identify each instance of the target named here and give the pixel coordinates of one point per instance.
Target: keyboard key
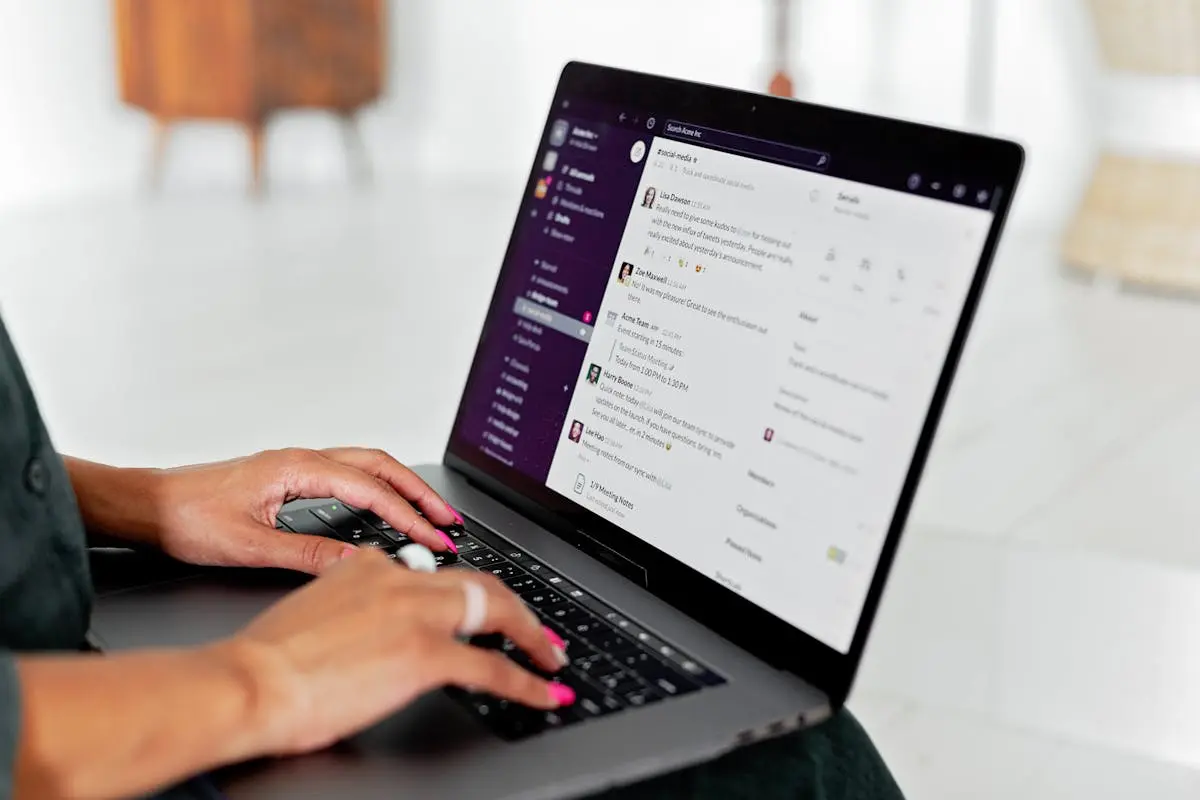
(635, 661)
(357, 533)
(589, 706)
(641, 697)
(613, 643)
(566, 587)
(667, 680)
(704, 675)
(335, 515)
(486, 705)
(371, 518)
(561, 717)
(515, 721)
(576, 645)
(304, 522)
(483, 558)
(588, 663)
(522, 660)
(693, 670)
(672, 688)
(445, 558)
(622, 684)
(585, 628)
(525, 584)
(454, 532)
(504, 571)
(466, 544)
(591, 700)
(603, 669)
(543, 598)
(619, 622)
(566, 614)
(649, 640)
(375, 542)
(514, 555)
(543, 572)
(341, 518)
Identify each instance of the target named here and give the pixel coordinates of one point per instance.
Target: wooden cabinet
(243, 60)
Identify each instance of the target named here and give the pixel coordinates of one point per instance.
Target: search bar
(747, 146)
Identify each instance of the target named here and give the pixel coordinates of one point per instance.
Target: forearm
(115, 726)
(121, 503)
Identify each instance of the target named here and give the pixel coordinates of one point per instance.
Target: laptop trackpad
(195, 610)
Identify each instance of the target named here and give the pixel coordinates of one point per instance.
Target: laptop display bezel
(908, 146)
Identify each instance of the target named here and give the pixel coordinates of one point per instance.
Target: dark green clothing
(833, 761)
(45, 591)
(45, 604)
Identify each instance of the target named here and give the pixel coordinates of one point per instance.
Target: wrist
(119, 502)
(270, 694)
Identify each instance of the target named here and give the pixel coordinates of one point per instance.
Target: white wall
(470, 81)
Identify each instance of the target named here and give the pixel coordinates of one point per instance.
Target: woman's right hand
(367, 638)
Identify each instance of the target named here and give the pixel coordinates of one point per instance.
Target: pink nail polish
(457, 517)
(554, 638)
(449, 542)
(563, 695)
(349, 551)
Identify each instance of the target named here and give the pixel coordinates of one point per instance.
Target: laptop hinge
(629, 569)
(588, 544)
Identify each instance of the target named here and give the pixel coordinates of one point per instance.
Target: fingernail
(554, 638)
(560, 656)
(562, 695)
(349, 551)
(457, 516)
(449, 542)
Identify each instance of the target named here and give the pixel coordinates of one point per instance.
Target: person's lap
(833, 761)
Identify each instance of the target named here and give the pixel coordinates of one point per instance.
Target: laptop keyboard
(615, 663)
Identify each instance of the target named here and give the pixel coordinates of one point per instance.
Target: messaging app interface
(723, 348)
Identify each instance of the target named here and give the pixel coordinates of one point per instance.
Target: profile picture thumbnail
(576, 431)
(625, 274)
(593, 375)
(649, 198)
(558, 133)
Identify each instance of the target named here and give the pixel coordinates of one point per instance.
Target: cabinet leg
(357, 158)
(158, 152)
(255, 131)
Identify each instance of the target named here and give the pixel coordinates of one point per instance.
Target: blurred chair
(1140, 218)
(244, 60)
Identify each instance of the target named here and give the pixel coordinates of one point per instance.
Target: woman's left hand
(223, 514)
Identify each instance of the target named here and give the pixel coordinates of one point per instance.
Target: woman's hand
(368, 637)
(223, 514)
(350, 648)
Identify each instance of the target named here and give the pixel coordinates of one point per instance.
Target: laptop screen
(726, 346)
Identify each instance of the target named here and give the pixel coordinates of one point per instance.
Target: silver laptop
(712, 369)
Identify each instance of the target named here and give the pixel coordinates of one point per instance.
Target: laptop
(721, 339)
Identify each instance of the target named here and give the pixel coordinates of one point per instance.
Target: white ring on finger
(475, 612)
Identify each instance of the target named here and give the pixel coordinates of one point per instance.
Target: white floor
(1041, 634)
